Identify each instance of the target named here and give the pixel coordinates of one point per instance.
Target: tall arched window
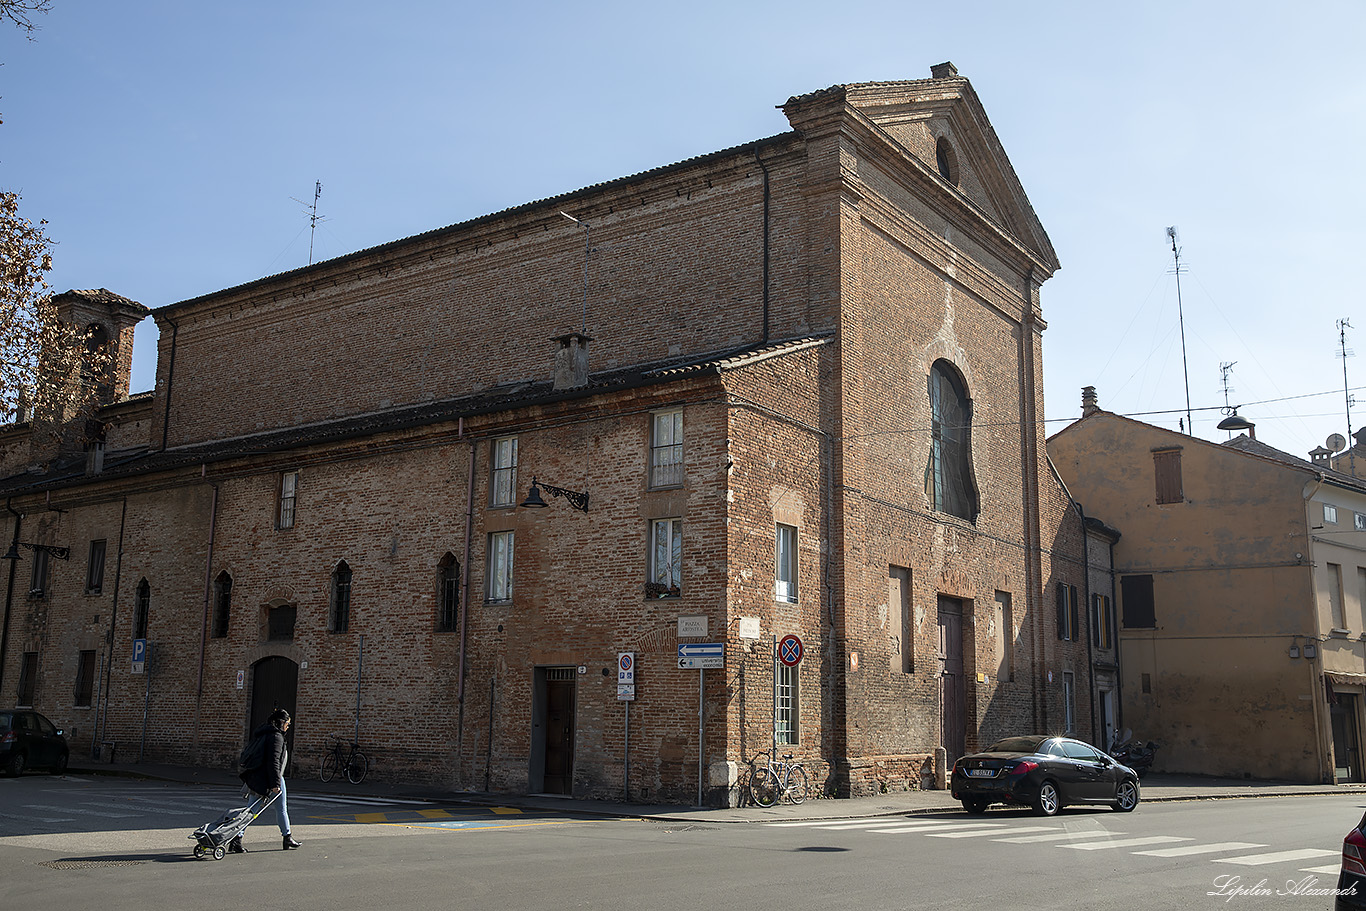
(448, 594)
(222, 604)
(142, 606)
(948, 476)
(340, 619)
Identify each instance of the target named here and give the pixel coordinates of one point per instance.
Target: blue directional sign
(701, 655)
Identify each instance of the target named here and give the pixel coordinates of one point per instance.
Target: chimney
(571, 361)
(943, 70)
(1089, 405)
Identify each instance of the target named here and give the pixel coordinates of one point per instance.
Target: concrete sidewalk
(1155, 787)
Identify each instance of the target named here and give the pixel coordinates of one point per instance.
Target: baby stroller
(212, 838)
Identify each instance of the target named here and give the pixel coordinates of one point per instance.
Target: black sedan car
(1043, 772)
(30, 741)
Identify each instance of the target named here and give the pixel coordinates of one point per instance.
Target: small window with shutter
(1167, 471)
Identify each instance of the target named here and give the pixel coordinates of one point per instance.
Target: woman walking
(266, 774)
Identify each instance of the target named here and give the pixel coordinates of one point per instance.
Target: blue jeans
(281, 807)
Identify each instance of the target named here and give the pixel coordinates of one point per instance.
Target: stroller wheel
(219, 852)
(199, 851)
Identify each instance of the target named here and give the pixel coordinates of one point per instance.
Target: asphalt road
(76, 843)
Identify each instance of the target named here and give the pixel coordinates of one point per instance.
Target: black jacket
(271, 771)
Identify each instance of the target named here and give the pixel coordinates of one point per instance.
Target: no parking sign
(790, 650)
(626, 676)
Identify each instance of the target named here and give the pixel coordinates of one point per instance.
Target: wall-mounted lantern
(534, 500)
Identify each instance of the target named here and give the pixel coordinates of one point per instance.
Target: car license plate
(981, 773)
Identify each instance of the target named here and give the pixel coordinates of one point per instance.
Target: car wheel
(1126, 798)
(975, 806)
(1049, 801)
(15, 766)
(59, 766)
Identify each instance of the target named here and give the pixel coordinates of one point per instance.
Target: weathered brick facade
(791, 298)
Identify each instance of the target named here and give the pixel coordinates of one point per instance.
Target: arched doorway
(274, 685)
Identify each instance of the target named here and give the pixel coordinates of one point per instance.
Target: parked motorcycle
(1136, 754)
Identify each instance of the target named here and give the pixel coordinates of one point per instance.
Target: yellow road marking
(502, 811)
(436, 814)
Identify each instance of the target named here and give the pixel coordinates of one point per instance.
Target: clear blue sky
(163, 142)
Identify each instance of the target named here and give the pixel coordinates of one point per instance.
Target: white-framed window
(503, 473)
(786, 719)
(785, 571)
(666, 449)
(1069, 701)
(289, 490)
(1330, 514)
(1360, 520)
(498, 574)
(666, 559)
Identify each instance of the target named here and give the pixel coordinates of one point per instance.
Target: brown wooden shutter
(1167, 472)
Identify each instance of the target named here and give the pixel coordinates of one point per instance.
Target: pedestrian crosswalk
(1097, 839)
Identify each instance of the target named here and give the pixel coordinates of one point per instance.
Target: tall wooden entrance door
(559, 729)
(952, 687)
(274, 685)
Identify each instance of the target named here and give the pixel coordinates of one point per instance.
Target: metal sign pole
(773, 715)
(627, 782)
(360, 664)
(700, 751)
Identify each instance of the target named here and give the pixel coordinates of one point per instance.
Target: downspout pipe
(204, 624)
(113, 620)
(170, 384)
(465, 608)
(764, 168)
(9, 593)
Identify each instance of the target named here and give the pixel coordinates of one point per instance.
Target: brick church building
(787, 389)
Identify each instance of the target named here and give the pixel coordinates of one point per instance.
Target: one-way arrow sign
(699, 655)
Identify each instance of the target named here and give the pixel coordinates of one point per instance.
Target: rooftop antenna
(587, 249)
(1181, 318)
(1344, 352)
(313, 216)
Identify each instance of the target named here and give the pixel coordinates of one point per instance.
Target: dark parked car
(30, 741)
(1352, 880)
(1045, 773)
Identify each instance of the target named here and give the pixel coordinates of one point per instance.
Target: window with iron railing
(666, 450)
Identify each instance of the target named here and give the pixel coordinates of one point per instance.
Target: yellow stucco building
(1240, 580)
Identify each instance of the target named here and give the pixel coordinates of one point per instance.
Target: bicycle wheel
(764, 787)
(796, 784)
(329, 768)
(356, 767)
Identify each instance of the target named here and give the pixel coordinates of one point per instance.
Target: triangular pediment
(941, 124)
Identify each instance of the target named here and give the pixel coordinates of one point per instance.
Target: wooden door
(952, 688)
(559, 730)
(274, 685)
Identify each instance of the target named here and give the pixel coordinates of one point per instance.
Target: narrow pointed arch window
(222, 604)
(948, 476)
(142, 606)
(340, 619)
(448, 594)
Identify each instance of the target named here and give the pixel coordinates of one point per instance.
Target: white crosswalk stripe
(943, 827)
(1125, 842)
(980, 834)
(1058, 836)
(1275, 857)
(1213, 848)
(103, 814)
(1327, 868)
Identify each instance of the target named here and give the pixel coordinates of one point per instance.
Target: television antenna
(1181, 318)
(1344, 352)
(313, 216)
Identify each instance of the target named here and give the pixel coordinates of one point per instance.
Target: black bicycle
(338, 757)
